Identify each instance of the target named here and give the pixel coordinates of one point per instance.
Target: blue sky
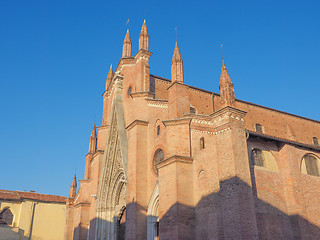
(55, 55)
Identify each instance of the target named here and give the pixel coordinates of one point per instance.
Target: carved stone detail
(112, 183)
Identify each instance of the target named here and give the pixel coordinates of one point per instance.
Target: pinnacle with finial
(94, 133)
(74, 181)
(127, 38)
(176, 54)
(224, 77)
(144, 30)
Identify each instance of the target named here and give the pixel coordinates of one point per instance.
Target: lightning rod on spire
(222, 51)
(176, 30)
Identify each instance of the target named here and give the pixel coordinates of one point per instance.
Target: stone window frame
(315, 141)
(303, 165)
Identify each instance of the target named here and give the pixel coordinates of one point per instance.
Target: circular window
(129, 91)
(157, 157)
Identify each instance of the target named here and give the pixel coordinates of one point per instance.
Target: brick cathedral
(172, 161)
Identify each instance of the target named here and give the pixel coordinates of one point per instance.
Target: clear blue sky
(54, 57)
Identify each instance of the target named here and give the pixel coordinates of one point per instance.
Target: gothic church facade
(172, 161)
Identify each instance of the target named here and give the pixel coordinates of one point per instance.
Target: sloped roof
(19, 195)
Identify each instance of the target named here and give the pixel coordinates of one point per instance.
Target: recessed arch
(153, 215)
(262, 158)
(6, 216)
(310, 165)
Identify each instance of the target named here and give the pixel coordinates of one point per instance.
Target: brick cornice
(229, 112)
(173, 83)
(179, 121)
(142, 94)
(85, 180)
(142, 53)
(102, 127)
(174, 159)
(157, 102)
(82, 204)
(97, 153)
(137, 122)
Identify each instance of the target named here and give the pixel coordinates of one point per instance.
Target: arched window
(192, 110)
(315, 141)
(262, 158)
(202, 143)
(258, 128)
(158, 130)
(310, 165)
(257, 157)
(129, 91)
(157, 157)
(6, 216)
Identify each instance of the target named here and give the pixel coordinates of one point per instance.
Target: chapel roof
(20, 195)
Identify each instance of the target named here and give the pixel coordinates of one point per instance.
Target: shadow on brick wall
(226, 214)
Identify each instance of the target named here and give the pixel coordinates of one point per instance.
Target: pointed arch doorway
(153, 215)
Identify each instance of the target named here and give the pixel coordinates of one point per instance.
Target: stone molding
(142, 94)
(229, 112)
(83, 204)
(137, 122)
(157, 103)
(178, 121)
(173, 159)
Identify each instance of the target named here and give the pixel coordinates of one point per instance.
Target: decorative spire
(93, 140)
(226, 87)
(109, 77)
(144, 37)
(126, 50)
(177, 65)
(73, 188)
